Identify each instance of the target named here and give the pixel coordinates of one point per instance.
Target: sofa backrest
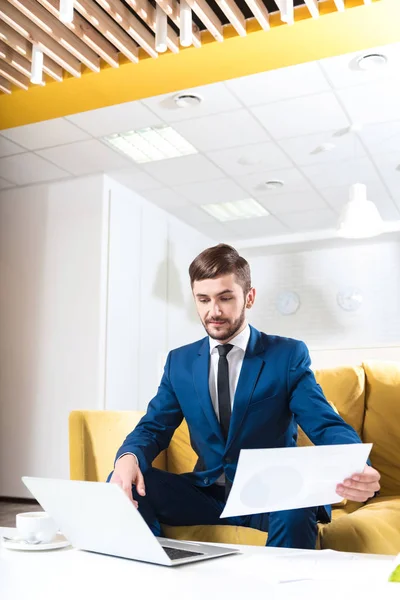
(94, 438)
(382, 421)
(344, 388)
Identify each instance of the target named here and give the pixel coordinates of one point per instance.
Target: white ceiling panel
(381, 138)
(115, 119)
(233, 128)
(281, 84)
(209, 192)
(389, 168)
(284, 203)
(258, 227)
(372, 103)
(323, 218)
(135, 179)
(294, 182)
(359, 170)
(45, 134)
(302, 116)
(216, 99)
(254, 158)
(8, 148)
(185, 169)
(83, 158)
(23, 169)
(304, 150)
(217, 232)
(193, 215)
(166, 198)
(5, 184)
(376, 191)
(342, 71)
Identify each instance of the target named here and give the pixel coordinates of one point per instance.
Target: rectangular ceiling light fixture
(151, 144)
(233, 211)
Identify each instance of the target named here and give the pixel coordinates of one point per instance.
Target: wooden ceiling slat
(88, 34)
(130, 24)
(340, 5)
(34, 34)
(312, 6)
(18, 43)
(58, 32)
(5, 86)
(148, 14)
(108, 27)
(260, 12)
(208, 17)
(234, 14)
(286, 8)
(13, 75)
(171, 7)
(14, 59)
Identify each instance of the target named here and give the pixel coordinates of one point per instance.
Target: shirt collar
(240, 340)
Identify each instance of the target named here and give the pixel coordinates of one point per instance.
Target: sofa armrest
(94, 438)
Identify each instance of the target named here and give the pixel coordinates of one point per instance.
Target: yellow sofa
(367, 397)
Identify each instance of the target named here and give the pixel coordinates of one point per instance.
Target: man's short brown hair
(221, 260)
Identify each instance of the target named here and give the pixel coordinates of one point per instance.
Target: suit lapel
(201, 367)
(250, 371)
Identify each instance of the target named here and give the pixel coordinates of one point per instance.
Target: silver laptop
(99, 517)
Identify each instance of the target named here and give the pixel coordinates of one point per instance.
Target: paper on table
(269, 480)
(321, 566)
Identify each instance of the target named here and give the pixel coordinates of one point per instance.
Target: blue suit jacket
(276, 390)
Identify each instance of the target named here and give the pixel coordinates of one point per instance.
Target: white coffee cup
(36, 527)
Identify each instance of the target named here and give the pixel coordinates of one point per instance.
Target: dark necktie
(224, 396)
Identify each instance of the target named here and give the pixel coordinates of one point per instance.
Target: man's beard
(228, 332)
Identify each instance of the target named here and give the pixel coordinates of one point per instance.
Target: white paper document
(269, 480)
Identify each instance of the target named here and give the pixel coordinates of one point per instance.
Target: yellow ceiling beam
(309, 39)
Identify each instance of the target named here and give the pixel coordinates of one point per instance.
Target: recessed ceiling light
(327, 147)
(368, 62)
(187, 100)
(233, 211)
(151, 144)
(271, 184)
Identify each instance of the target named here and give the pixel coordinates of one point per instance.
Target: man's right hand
(127, 473)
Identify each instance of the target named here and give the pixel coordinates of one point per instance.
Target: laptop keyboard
(176, 553)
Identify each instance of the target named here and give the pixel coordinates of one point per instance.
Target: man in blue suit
(237, 388)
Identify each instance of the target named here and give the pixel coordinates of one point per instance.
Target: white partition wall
(89, 306)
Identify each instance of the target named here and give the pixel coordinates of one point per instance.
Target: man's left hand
(361, 486)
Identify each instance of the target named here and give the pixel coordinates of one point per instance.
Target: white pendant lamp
(360, 217)
(161, 29)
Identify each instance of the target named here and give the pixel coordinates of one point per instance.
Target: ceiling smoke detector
(369, 62)
(187, 100)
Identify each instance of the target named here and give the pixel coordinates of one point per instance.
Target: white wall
(333, 335)
(150, 309)
(50, 316)
(94, 291)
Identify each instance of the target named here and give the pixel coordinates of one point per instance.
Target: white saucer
(60, 541)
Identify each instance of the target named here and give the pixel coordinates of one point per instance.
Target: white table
(74, 575)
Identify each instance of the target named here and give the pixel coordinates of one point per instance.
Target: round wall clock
(349, 299)
(288, 303)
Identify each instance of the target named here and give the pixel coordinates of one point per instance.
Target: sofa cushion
(344, 387)
(374, 528)
(382, 422)
(181, 458)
